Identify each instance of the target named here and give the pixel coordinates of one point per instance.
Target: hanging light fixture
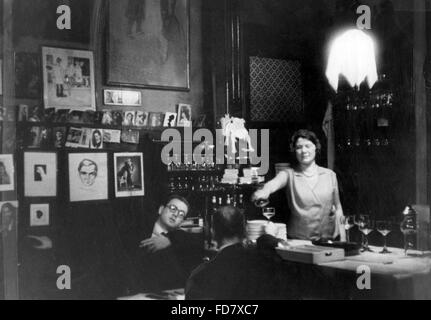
(352, 54)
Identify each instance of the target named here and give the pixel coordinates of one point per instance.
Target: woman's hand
(260, 194)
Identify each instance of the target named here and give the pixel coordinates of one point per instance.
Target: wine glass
(348, 222)
(366, 226)
(384, 227)
(268, 213)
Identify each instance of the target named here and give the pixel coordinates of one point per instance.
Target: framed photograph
(130, 136)
(107, 117)
(7, 172)
(58, 137)
(155, 119)
(111, 136)
(129, 118)
(122, 98)
(159, 31)
(28, 79)
(78, 137)
(40, 174)
(88, 176)
(129, 174)
(96, 141)
(37, 137)
(170, 119)
(141, 118)
(184, 115)
(8, 216)
(68, 78)
(39, 215)
(22, 112)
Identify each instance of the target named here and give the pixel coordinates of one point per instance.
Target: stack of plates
(255, 228)
(281, 231)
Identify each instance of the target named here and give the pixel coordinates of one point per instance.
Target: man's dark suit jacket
(236, 273)
(169, 268)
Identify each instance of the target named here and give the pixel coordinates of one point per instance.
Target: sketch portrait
(88, 176)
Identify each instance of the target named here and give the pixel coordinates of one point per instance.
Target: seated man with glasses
(168, 254)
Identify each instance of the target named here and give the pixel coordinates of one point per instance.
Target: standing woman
(311, 191)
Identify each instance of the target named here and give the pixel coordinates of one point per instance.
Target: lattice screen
(275, 90)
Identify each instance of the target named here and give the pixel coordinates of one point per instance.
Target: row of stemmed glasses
(366, 225)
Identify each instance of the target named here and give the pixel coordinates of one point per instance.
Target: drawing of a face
(87, 172)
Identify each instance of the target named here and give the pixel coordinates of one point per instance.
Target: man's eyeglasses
(173, 208)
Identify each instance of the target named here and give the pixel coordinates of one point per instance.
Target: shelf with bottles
(363, 118)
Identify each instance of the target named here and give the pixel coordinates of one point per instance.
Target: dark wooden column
(419, 54)
(10, 246)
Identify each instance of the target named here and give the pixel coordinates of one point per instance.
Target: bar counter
(392, 276)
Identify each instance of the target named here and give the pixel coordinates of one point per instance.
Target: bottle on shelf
(228, 200)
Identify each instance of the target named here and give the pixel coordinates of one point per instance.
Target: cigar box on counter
(310, 254)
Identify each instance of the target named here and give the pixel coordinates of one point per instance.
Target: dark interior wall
(35, 25)
(93, 238)
(380, 183)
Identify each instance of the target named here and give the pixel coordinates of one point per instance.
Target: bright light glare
(352, 54)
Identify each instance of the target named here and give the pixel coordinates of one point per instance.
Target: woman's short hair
(305, 134)
(228, 222)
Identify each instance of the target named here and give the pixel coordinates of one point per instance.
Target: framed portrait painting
(129, 174)
(157, 29)
(88, 176)
(68, 79)
(40, 174)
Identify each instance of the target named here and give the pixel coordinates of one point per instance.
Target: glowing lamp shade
(352, 54)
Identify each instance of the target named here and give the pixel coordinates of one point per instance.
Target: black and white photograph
(8, 219)
(96, 141)
(141, 118)
(155, 119)
(37, 137)
(129, 118)
(129, 174)
(170, 119)
(68, 78)
(58, 137)
(39, 215)
(122, 98)
(130, 136)
(7, 172)
(184, 115)
(79, 137)
(88, 176)
(111, 136)
(40, 174)
(222, 150)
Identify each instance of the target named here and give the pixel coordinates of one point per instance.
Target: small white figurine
(234, 128)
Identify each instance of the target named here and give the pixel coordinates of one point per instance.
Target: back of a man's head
(228, 223)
